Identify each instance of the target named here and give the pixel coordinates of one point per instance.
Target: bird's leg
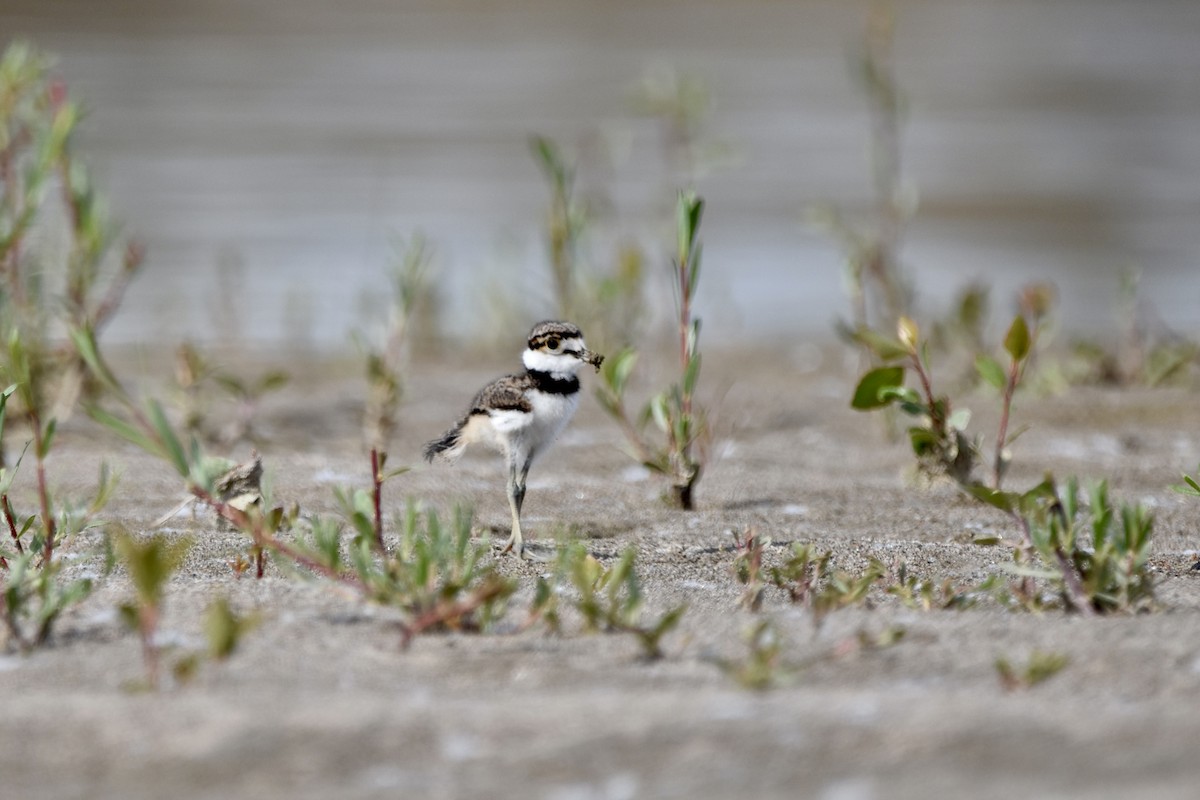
(516, 496)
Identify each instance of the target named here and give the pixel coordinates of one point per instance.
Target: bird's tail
(450, 446)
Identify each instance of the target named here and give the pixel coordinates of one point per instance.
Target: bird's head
(558, 348)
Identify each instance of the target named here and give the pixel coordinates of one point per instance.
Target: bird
(522, 414)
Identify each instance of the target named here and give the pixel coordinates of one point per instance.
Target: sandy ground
(321, 701)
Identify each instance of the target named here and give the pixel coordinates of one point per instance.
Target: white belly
(527, 435)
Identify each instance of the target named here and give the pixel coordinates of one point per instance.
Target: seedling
(1190, 487)
(608, 598)
(224, 630)
(762, 668)
(747, 567)
(1040, 667)
(926, 594)
(150, 564)
(682, 455)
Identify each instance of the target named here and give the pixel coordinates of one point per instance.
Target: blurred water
(265, 152)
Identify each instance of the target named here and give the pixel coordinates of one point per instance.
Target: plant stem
(264, 539)
(43, 490)
(1014, 375)
(377, 496)
(6, 507)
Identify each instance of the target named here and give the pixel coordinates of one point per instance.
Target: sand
(321, 701)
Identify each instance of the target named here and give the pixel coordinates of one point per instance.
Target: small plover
(521, 415)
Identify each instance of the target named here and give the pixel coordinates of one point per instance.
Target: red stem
(6, 507)
(264, 539)
(377, 492)
(43, 490)
(1002, 433)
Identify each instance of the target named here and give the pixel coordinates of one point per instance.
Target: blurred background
(268, 153)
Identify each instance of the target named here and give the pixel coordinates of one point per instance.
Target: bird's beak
(595, 359)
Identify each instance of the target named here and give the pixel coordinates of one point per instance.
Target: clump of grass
(608, 598)
(683, 423)
(1040, 667)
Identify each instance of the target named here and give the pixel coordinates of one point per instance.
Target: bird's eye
(552, 343)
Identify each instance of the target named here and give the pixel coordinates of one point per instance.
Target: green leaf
(47, 441)
(990, 370)
(1017, 341)
(125, 430)
(884, 347)
(1005, 501)
(171, 445)
(868, 394)
(691, 374)
(273, 381)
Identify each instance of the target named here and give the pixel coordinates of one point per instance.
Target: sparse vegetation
(608, 599)
(1104, 572)
(1040, 667)
(682, 422)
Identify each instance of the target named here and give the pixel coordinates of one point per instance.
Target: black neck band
(552, 385)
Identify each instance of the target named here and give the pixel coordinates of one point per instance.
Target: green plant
(926, 594)
(747, 567)
(609, 599)
(1104, 572)
(48, 287)
(33, 592)
(150, 564)
(1040, 667)
(762, 668)
(682, 455)
(437, 576)
(811, 580)
(1101, 570)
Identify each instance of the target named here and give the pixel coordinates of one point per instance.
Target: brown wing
(504, 393)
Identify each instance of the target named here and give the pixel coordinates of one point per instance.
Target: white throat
(559, 366)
